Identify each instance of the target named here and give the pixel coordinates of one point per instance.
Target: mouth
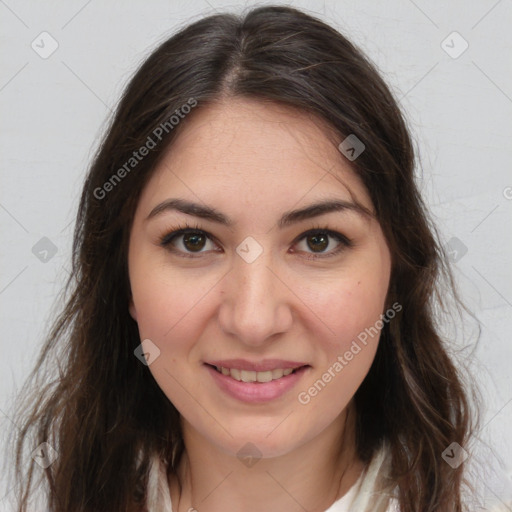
(257, 377)
(256, 383)
(256, 387)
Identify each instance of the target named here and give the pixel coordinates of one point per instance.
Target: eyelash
(183, 229)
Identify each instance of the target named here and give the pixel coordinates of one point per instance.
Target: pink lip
(262, 366)
(256, 392)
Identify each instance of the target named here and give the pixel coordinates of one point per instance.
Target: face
(253, 287)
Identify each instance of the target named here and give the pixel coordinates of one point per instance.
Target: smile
(267, 383)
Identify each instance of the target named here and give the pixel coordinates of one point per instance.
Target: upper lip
(260, 366)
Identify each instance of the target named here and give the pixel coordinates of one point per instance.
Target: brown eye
(187, 241)
(319, 242)
(194, 241)
(190, 242)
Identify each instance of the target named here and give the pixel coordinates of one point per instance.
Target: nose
(256, 302)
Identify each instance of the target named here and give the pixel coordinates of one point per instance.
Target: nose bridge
(254, 303)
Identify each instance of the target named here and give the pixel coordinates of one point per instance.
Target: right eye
(191, 239)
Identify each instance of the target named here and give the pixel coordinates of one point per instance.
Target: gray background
(459, 108)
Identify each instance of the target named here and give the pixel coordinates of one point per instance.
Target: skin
(253, 161)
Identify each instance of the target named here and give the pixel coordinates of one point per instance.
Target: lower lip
(256, 392)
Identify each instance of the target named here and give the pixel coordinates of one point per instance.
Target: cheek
(352, 307)
(171, 313)
(356, 310)
(168, 313)
(346, 355)
(167, 303)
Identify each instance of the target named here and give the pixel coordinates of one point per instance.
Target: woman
(251, 322)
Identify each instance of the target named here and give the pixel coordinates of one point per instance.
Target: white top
(343, 504)
(359, 496)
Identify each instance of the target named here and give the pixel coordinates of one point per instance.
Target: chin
(265, 443)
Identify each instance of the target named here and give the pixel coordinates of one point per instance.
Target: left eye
(194, 240)
(319, 240)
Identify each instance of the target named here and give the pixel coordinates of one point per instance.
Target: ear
(131, 308)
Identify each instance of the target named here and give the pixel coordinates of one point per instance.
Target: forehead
(243, 150)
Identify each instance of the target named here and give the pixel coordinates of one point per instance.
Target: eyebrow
(287, 219)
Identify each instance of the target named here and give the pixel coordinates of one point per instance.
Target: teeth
(252, 376)
(264, 376)
(246, 376)
(277, 374)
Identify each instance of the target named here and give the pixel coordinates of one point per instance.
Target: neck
(311, 477)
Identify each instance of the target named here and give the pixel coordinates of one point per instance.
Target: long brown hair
(103, 412)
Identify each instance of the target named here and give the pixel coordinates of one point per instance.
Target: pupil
(194, 240)
(319, 237)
